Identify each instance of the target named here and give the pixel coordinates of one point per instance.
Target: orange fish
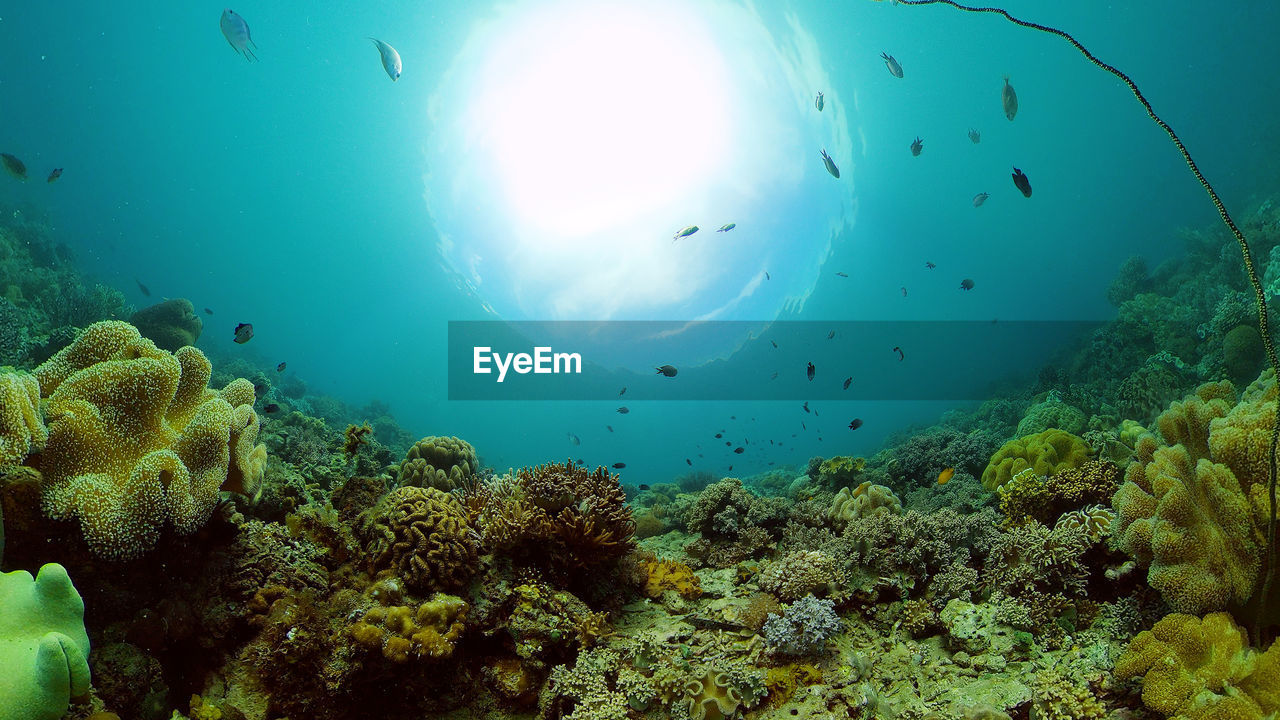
(945, 476)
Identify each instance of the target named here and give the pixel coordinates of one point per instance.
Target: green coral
(1046, 453)
(439, 462)
(840, 471)
(43, 644)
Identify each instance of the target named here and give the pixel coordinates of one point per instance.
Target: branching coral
(423, 535)
(136, 439)
(1038, 569)
(439, 462)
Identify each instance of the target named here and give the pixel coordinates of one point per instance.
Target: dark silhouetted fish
(831, 334)
(929, 265)
(975, 136)
(719, 436)
(855, 423)
(1009, 99)
(244, 333)
(966, 284)
(57, 173)
(766, 275)
(831, 164)
(207, 311)
(810, 370)
(774, 344)
(609, 428)
(805, 406)
(894, 68)
(619, 466)
(817, 102)
(643, 487)
(690, 462)
(739, 450)
(1022, 181)
(270, 408)
(146, 292)
(901, 355)
(917, 146)
(667, 370)
(847, 382)
(980, 198)
(622, 392)
(843, 275)
(574, 439)
(623, 410)
(15, 166)
(280, 367)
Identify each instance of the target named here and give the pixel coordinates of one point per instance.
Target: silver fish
(894, 68)
(236, 31)
(975, 136)
(831, 165)
(1009, 99)
(817, 102)
(390, 59)
(727, 227)
(980, 198)
(684, 232)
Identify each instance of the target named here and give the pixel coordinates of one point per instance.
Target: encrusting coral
(422, 534)
(429, 631)
(136, 439)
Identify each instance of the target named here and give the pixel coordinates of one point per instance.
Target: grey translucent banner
(953, 361)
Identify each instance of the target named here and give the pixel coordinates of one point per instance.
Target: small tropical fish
(623, 410)
(739, 450)
(619, 466)
(57, 173)
(280, 367)
(207, 311)
(1022, 181)
(945, 476)
(727, 227)
(831, 334)
(270, 408)
(847, 382)
(390, 59)
(15, 166)
(774, 344)
(1009, 99)
(146, 292)
(844, 275)
(805, 406)
(730, 468)
(817, 102)
(236, 31)
(980, 198)
(802, 426)
(244, 333)
(685, 232)
(855, 423)
(894, 68)
(643, 487)
(966, 284)
(901, 355)
(667, 370)
(766, 275)
(574, 439)
(810, 370)
(929, 265)
(260, 389)
(831, 164)
(975, 136)
(609, 428)
(719, 435)
(774, 376)
(727, 443)
(904, 291)
(917, 146)
(688, 462)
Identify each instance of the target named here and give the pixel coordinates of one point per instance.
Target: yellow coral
(1047, 453)
(430, 631)
(439, 462)
(423, 535)
(862, 501)
(664, 575)
(136, 439)
(21, 430)
(1198, 668)
(1028, 496)
(1187, 422)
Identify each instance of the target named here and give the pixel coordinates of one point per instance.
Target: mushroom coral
(136, 439)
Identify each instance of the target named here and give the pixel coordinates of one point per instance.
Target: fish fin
(248, 54)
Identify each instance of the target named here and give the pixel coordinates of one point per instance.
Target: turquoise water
(307, 194)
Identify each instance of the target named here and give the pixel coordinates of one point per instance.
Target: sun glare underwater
(688, 359)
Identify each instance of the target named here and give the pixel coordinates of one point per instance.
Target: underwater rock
(170, 324)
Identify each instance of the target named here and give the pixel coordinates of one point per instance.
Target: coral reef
(866, 499)
(170, 324)
(428, 632)
(804, 628)
(424, 537)
(1047, 453)
(1029, 496)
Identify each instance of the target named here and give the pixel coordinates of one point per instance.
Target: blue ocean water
(350, 218)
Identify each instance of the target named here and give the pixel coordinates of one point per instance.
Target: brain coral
(1197, 669)
(438, 462)
(1196, 512)
(20, 428)
(423, 535)
(137, 440)
(1047, 453)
